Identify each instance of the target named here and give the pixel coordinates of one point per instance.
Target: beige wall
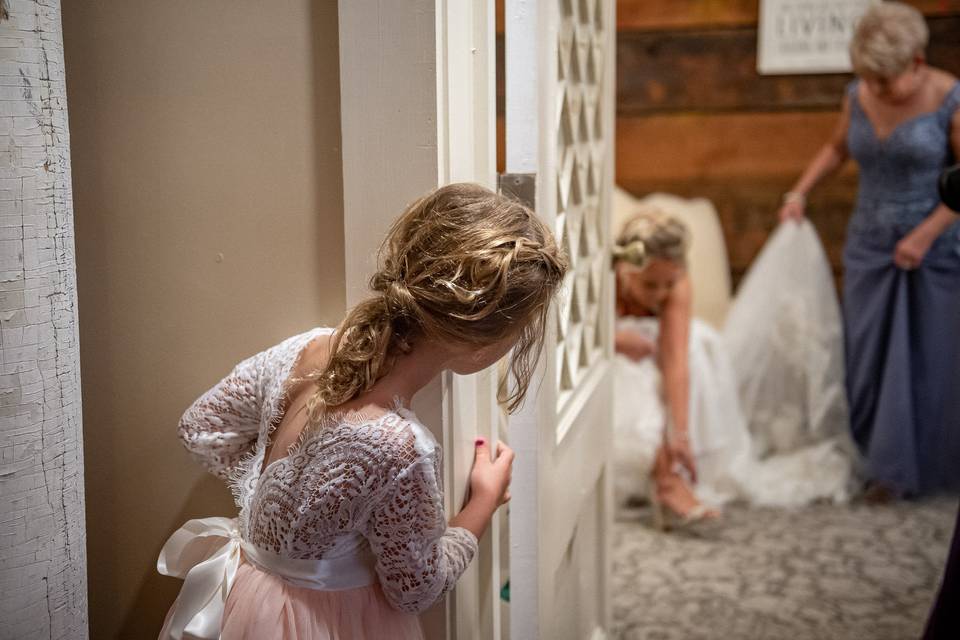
(199, 129)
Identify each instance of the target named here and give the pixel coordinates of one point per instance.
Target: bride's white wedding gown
(768, 418)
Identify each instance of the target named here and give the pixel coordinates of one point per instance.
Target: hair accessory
(633, 252)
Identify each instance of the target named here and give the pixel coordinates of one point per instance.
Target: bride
(681, 437)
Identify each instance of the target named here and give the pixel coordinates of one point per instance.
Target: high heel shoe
(699, 519)
(675, 506)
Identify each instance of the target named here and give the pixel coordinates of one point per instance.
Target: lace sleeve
(419, 558)
(222, 425)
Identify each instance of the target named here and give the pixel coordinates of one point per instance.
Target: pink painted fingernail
(479, 441)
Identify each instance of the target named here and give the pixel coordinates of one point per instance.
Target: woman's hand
(490, 479)
(679, 452)
(633, 345)
(792, 210)
(912, 249)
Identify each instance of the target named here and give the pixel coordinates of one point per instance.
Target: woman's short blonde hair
(887, 39)
(651, 233)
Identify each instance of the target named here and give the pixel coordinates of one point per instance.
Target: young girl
(341, 531)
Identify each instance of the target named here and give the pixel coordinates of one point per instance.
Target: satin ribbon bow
(205, 553)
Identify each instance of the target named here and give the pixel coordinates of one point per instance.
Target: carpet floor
(824, 572)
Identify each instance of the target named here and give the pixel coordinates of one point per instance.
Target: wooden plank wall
(694, 118)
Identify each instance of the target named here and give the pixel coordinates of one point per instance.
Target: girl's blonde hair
(652, 233)
(462, 265)
(887, 39)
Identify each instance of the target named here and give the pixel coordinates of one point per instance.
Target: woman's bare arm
(673, 353)
(827, 160)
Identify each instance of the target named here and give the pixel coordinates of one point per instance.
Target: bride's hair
(461, 265)
(652, 233)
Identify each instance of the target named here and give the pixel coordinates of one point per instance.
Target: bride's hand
(634, 346)
(678, 449)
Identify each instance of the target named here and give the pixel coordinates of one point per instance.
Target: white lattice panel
(559, 122)
(581, 160)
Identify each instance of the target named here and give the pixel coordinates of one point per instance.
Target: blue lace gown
(903, 327)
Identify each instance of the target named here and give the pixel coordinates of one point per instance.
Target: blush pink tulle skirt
(262, 606)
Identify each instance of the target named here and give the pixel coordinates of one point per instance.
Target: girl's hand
(489, 488)
(792, 210)
(490, 479)
(679, 452)
(911, 250)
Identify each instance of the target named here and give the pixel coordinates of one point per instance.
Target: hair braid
(462, 265)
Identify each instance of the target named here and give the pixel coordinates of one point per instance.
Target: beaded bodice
(899, 173)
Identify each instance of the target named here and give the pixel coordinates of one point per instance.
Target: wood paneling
(743, 163)
(748, 207)
(695, 119)
(699, 146)
(684, 14)
(501, 144)
(716, 70)
(648, 15)
(710, 70)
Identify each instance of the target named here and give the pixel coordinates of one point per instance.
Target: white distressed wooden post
(42, 536)
(418, 110)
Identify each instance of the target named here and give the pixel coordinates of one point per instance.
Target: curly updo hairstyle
(650, 233)
(461, 265)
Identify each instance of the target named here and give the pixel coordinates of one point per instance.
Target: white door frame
(417, 109)
(417, 86)
(561, 515)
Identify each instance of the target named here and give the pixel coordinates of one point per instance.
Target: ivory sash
(205, 553)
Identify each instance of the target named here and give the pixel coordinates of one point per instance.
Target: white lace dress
(345, 537)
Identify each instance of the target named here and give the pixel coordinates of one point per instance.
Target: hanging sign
(806, 36)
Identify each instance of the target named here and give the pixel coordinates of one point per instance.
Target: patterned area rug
(823, 572)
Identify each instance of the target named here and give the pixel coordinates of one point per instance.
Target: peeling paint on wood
(42, 534)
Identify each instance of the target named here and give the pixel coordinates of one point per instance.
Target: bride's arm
(674, 360)
(674, 350)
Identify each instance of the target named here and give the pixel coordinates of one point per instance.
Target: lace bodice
(899, 173)
(355, 486)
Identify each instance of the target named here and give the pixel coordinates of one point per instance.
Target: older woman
(900, 122)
